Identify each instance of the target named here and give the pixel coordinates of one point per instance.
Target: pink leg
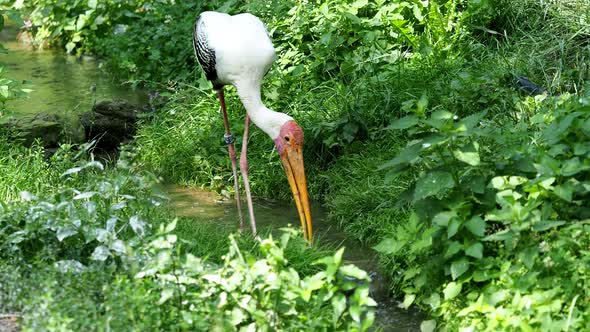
(229, 140)
(244, 170)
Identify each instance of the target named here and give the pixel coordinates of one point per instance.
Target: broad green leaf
(338, 305)
(72, 171)
(453, 248)
(442, 218)
(18, 4)
(408, 155)
(551, 133)
(65, 232)
(404, 123)
(459, 267)
(85, 195)
(408, 300)
(452, 290)
(475, 250)
(137, 225)
(433, 183)
(102, 235)
(171, 226)
(504, 235)
(70, 47)
(507, 182)
(482, 275)
(111, 223)
(544, 225)
(564, 191)
(496, 297)
(360, 3)
(428, 326)
(422, 104)
(4, 91)
(166, 294)
(100, 253)
(573, 167)
(417, 13)
(388, 246)
(453, 228)
(441, 115)
(433, 301)
(92, 3)
(350, 270)
(580, 149)
(438, 119)
(118, 246)
(472, 120)
(468, 154)
(476, 225)
(548, 166)
(70, 266)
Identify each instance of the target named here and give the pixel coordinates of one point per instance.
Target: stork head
(289, 144)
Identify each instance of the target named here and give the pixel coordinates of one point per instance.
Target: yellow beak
(292, 159)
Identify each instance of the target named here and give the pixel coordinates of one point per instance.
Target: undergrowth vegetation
(95, 249)
(425, 138)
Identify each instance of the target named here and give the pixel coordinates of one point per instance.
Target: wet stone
(111, 123)
(45, 127)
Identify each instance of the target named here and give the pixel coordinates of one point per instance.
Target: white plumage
(243, 54)
(237, 50)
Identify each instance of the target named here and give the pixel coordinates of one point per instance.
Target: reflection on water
(61, 84)
(208, 206)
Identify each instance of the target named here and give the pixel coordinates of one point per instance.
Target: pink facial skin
(290, 134)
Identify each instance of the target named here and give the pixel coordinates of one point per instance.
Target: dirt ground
(9, 322)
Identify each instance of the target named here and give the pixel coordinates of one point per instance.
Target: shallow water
(204, 205)
(61, 83)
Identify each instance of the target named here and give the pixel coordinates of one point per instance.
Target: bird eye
(287, 138)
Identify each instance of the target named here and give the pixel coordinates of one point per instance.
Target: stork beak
(292, 158)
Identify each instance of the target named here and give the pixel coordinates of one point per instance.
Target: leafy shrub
(85, 219)
(157, 48)
(264, 294)
(100, 241)
(488, 201)
(74, 24)
(322, 40)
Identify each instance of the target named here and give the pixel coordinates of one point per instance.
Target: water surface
(61, 83)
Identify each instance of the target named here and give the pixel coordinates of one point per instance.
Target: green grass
(207, 239)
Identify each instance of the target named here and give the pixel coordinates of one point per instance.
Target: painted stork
(237, 50)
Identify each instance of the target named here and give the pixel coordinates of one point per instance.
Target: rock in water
(46, 127)
(111, 123)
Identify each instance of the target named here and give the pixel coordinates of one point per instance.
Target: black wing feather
(204, 53)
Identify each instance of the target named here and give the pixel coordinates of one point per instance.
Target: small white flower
(544, 246)
(548, 261)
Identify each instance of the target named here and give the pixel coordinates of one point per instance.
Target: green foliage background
(418, 139)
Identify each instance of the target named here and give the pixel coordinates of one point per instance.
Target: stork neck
(250, 96)
(264, 118)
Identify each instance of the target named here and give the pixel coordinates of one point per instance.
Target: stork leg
(229, 140)
(244, 170)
